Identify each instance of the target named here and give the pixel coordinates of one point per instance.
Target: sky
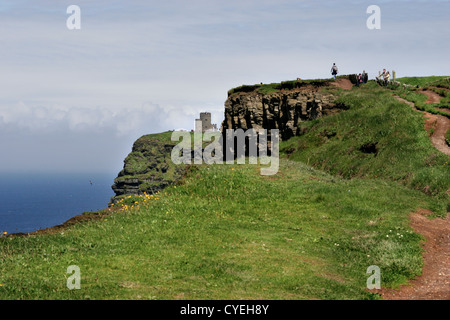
(75, 100)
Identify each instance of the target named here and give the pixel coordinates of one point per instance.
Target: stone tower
(204, 123)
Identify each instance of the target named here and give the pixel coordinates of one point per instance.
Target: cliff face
(283, 110)
(148, 168)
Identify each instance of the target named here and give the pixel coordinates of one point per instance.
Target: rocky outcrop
(283, 110)
(148, 168)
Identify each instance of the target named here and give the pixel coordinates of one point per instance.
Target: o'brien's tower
(204, 123)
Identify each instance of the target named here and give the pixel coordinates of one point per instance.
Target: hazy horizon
(76, 100)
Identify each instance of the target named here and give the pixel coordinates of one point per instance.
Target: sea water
(33, 201)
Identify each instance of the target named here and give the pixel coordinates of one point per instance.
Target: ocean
(29, 202)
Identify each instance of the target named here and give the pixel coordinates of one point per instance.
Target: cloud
(149, 117)
(139, 67)
(61, 138)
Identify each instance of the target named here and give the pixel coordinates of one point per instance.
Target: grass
(447, 137)
(438, 84)
(228, 233)
(339, 205)
(377, 137)
(424, 81)
(284, 85)
(419, 99)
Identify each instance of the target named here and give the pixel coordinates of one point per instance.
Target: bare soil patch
(436, 125)
(440, 125)
(345, 84)
(434, 282)
(433, 97)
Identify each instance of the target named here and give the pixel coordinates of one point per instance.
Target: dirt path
(343, 84)
(434, 283)
(438, 124)
(433, 97)
(446, 110)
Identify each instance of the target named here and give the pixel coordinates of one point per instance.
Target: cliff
(283, 106)
(148, 168)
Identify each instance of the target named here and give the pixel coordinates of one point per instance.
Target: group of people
(364, 77)
(384, 77)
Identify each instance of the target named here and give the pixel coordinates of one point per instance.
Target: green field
(377, 137)
(339, 204)
(229, 233)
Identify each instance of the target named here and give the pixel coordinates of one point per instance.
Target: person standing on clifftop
(382, 75)
(365, 76)
(386, 78)
(359, 80)
(334, 70)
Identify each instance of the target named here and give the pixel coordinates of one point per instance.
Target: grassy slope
(228, 233)
(438, 84)
(404, 151)
(423, 81)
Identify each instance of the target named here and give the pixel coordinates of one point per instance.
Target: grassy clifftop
(339, 204)
(228, 233)
(377, 137)
(284, 85)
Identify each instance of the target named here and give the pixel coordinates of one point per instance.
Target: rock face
(148, 168)
(282, 110)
